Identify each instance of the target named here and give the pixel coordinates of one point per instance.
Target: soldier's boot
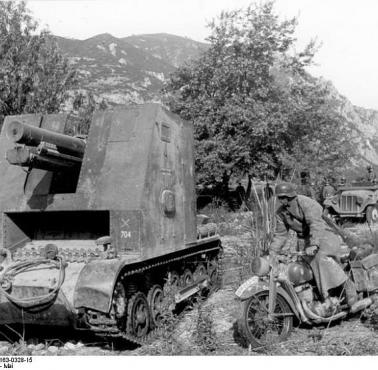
(350, 292)
(355, 302)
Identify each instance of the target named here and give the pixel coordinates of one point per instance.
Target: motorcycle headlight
(260, 266)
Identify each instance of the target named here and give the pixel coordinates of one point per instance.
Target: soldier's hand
(273, 259)
(311, 251)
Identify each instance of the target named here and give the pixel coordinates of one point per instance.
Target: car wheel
(372, 214)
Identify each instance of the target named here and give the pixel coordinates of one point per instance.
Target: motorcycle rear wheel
(258, 330)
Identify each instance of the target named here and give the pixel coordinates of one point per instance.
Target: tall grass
(252, 230)
(262, 221)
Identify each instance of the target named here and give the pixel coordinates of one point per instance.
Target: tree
(34, 76)
(323, 139)
(83, 106)
(252, 102)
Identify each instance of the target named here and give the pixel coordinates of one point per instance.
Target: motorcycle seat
(360, 252)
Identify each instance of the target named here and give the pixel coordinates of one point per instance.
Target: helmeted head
(285, 189)
(369, 168)
(285, 192)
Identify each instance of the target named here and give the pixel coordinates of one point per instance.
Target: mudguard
(260, 286)
(95, 285)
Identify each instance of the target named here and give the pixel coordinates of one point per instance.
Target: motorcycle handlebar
(283, 256)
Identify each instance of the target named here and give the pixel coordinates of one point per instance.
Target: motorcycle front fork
(272, 294)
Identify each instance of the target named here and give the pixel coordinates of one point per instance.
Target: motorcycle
(283, 291)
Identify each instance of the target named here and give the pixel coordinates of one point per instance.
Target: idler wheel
(119, 300)
(138, 315)
(155, 301)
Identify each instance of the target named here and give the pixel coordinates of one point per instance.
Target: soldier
(370, 175)
(342, 181)
(328, 190)
(240, 191)
(304, 215)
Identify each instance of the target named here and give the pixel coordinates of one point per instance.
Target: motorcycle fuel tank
(299, 273)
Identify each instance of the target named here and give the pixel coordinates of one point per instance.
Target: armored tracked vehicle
(92, 228)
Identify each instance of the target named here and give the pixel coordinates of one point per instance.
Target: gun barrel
(42, 159)
(22, 133)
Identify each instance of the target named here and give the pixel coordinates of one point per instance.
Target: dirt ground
(350, 337)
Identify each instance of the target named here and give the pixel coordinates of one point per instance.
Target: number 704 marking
(125, 234)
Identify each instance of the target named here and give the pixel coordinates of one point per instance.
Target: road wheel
(187, 278)
(199, 272)
(174, 278)
(138, 315)
(260, 330)
(372, 214)
(155, 301)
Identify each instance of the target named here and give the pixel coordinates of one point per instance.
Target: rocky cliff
(364, 125)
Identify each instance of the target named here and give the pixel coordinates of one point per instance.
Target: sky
(347, 30)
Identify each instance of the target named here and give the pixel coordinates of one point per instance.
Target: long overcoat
(304, 216)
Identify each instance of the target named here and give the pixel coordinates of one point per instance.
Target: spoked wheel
(155, 301)
(258, 328)
(138, 315)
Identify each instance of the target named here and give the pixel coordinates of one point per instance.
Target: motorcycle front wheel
(258, 328)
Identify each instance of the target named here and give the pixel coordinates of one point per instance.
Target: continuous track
(106, 326)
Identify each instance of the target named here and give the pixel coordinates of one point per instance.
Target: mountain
(130, 69)
(133, 69)
(364, 132)
(172, 49)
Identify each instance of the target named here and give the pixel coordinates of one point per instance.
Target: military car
(357, 200)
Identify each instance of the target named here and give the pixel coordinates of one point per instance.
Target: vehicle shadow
(59, 337)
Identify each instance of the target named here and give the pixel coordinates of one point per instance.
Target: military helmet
(285, 189)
